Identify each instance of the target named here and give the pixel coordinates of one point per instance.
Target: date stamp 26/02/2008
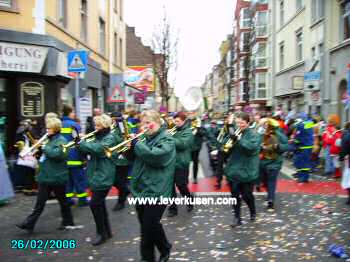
(43, 244)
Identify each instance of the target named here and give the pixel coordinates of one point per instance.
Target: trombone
(42, 141)
(231, 142)
(121, 147)
(74, 142)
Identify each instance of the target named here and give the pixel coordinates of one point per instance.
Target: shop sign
(32, 99)
(22, 58)
(298, 83)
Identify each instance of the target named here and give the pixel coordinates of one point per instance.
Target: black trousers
(195, 159)
(43, 194)
(99, 211)
(220, 166)
(181, 182)
(244, 190)
(152, 232)
(121, 182)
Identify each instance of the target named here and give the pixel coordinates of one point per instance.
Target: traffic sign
(117, 95)
(77, 61)
(312, 76)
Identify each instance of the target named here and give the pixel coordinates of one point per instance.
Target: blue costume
(6, 190)
(77, 183)
(304, 141)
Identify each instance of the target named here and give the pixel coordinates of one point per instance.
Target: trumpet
(172, 131)
(74, 142)
(231, 142)
(121, 147)
(31, 150)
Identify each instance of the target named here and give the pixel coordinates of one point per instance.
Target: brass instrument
(121, 147)
(31, 150)
(172, 131)
(231, 142)
(195, 124)
(74, 142)
(126, 129)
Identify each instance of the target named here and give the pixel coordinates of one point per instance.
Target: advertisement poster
(140, 77)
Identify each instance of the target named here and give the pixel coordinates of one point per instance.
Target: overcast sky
(202, 26)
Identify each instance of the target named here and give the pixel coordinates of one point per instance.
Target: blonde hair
(151, 115)
(50, 115)
(104, 120)
(54, 123)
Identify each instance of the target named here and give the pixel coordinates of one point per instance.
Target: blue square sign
(77, 61)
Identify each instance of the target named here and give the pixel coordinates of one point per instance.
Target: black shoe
(270, 206)
(189, 208)
(252, 217)
(25, 227)
(172, 213)
(64, 227)
(98, 240)
(118, 206)
(165, 257)
(237, 223)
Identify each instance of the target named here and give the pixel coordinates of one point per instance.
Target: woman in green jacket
(100, 172)
(243, 166)
(53, 176)
(153, 176)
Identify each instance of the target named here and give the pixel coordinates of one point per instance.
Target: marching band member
(242, 166)
(77, 180)
(153, 176)
(121, 162)
(53, 176)
(101, 172)
(274, 143)
(198, 134)
(183, 141)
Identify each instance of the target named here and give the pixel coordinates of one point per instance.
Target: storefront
(34, 81)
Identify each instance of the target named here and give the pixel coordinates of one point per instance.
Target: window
(299, 45)
(102, 36)
(6, 3)
(83, 14)
(260, 55)
(313, 54)
(281, 13)
(260, 85)
(317, 10)
(121, 9)
(243, 67)
(245, 18)
(121, 52)
(345, 16)
(281, 55)
(261, 23)
(115, 45)
(299, 5)
(62, 12)
(244, 42)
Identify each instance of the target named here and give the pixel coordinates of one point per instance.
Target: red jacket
(331, 137)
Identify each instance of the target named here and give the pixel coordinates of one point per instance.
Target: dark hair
(181, 115)
(67, 110)
(347, 125)
(244, 116)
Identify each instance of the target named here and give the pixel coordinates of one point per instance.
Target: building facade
(35, 36)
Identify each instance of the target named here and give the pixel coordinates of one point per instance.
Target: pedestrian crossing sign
(117, 95)
(77, 61)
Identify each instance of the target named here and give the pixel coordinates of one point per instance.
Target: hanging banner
(140, 77)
